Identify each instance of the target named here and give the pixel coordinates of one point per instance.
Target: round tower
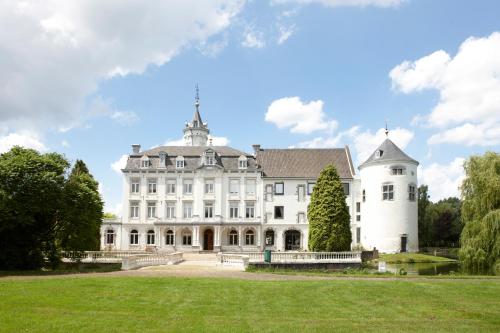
(389, 207)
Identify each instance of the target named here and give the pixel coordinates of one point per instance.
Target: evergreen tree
(79, 226)
(329, 220)
(480, 240)
(424, 228)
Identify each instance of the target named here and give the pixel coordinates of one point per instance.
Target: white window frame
(187, 187)
(152, 210)
(250, 210)
(301, 192)
(278, 185)
(388, 192)
(179, 162)
(135, 209)
(208, 210)
(110, 236)
(169, 237)
(152, 186)
(301, 217)
(249, 237)
(170, 210)
(135, 185)
(209, 186)
(250, 186)
(187, 238)
(187, 210)
(234, 186)
(170, 186)
(134, 237)
(234, 208)
(412, 192)
(233, 237)
(150, 237)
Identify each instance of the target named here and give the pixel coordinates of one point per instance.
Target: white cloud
(120, 164)
(443, 180)
(285, 32)
(100, 107)
(338, 3)
(366, 142)
(65, 144)
(329, 142)
(300, 117)
(253, 39)
(55, 52)
(23, 138)
(216, 141)
(468, 111)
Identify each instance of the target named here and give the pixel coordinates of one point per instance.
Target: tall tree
(480, 240)
(31, 186)
(329, 220)
(445, 223)
(424, 227)
(79, 226)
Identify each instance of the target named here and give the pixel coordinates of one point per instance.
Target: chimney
(136, 149)
(256, 149)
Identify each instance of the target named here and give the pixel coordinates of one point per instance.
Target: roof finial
(386, 130)
(197, 98)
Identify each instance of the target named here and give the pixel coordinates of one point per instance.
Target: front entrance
(208, 240)
(292, 240)
(404, 240)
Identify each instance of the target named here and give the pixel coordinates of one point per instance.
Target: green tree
(80, 223)
(31, 186)
(424, 225)
(108, 215)
(329, 220)
(444, 221)
(480, 241)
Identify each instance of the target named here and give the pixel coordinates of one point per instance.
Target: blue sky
(88, 79)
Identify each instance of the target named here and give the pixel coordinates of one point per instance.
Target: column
(239, 237)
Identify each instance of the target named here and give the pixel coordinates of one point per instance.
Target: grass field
(146, 304)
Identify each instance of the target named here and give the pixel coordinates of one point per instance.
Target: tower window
(412, 192)
(388, 192)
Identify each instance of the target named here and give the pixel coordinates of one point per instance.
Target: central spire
(196, 132)
(197, 98)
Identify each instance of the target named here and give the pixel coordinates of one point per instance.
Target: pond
(443, 268)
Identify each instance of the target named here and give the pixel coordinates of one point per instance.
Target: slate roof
(304, 163)
(390, 153)
(226, 157)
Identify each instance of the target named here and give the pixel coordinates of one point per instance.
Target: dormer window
(242, 162)
(379, 153)
(145, 162)
(179, 162)
(163, 159)
(397, 170)
(209, 157)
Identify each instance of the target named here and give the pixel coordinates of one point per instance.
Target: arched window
(269, 237)
(233, 237)
(179, 162)
(186, 238)
(150, 239)
(249, 237)
(110, 236)
(169, 237)
(134, 237)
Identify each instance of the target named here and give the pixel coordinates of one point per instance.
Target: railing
(306, 257)
(232, 260)
(134, 262)
(100, 256)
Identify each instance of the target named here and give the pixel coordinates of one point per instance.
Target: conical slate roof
(197, 119)
(387, 152)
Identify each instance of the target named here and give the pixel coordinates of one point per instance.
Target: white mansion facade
(215, 198)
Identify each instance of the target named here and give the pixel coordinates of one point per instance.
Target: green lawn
(140, 304)
(397, 258)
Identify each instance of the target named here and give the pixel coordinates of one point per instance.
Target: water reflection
(443, 268)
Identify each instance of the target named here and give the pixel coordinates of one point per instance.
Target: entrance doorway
(404, 241)
(208, 240)
(292, 240)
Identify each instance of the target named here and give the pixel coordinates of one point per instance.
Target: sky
(89, 78)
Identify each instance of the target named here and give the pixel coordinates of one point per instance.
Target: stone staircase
(206, 259)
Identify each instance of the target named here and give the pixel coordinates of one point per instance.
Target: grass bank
(410, 258)
(130, 304)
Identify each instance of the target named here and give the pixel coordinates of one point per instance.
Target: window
(364, 195)
(150, 238)
(135, 186)
(346, 188)
(388, 192)
(249, 237)
(145, 163)
(358, 218)
(233, 210)
(186, 238)
(412, 193)
(151, 210)
(301, 217)
(110, 236)
(209, 186)
(358, 207)
(233, 237)
(209, 210)
(397, 171)
(134, 237)
(209, 159)
(188, 186)
(279, 188)
(134, 210)
(269, 237)
(242, 164)
(171, 186)
(310, 187)
(169, 237)
(301, 192)
(179, 162)
(358, 235)
(234, 186)
(152, 186)
(188, 210)
(250, 210)
(269, 192)
(379, 153)
(170, 210)
(250, 186)
(279, 212)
